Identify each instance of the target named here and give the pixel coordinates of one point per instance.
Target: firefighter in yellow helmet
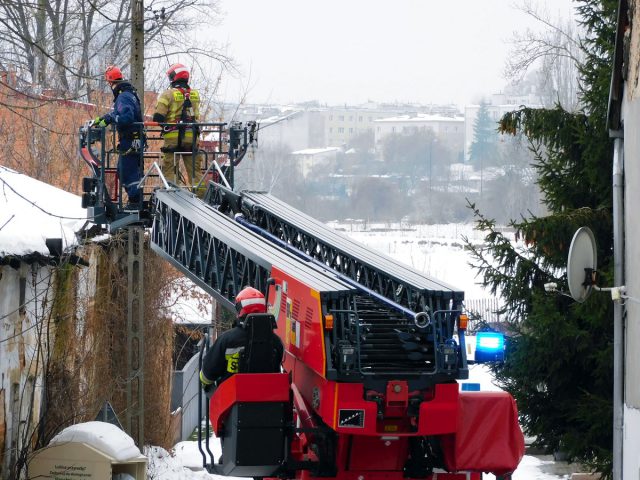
(179, 104)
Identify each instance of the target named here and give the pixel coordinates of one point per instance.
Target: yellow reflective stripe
(204, 379)
(233, 362)
(175, 133)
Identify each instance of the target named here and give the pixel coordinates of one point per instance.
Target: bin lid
(102, 436)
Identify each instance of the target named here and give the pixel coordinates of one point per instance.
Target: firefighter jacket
(224, 357)
(126, 111)
(170, 108)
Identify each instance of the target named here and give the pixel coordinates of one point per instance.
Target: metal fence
(184, 397)
(482, 310)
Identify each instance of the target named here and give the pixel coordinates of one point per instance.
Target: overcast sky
(351, 51)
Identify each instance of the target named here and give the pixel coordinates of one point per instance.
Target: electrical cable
(39, 207)
(5, 223)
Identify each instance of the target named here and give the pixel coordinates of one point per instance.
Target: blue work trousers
(130, 174)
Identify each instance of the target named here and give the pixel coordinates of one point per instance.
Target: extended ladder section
(368, 338)
(222, 256)
(376, 271)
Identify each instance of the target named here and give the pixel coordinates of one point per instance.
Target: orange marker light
(328, 322)
(463, 320)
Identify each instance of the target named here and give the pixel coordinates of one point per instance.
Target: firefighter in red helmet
(179, 104)
(224, 357)
(126, 111)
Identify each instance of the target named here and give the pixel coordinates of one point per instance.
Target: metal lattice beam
(373, 270)
(222, 256)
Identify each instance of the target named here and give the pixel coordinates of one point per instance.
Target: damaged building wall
(25, 299)
(63, 331)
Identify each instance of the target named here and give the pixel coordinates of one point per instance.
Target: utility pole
(135, 262)
(135, 334)
(137, 49)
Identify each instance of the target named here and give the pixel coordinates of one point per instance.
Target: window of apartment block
(341, 130)
(351, 130)
(330, 117)
(393, 129)
(351, 118)
(341, 118)
(360, 118)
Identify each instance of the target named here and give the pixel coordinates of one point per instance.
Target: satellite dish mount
(582, 267)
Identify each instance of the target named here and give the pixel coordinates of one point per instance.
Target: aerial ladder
(373, 348)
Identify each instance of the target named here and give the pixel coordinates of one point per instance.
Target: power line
(39, 207)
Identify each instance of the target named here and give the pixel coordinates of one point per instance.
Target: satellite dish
(582, 262)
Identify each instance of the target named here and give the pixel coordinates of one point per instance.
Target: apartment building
(448, 130)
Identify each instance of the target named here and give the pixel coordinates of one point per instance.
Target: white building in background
(448, 130)
(289, 128)
(344, 123)
(311, 158)
(315, 126)
(498, 105)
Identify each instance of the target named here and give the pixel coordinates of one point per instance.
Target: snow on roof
(32, 211)
(420, 117)
(315, 151)
(278, 118)
(103, 436)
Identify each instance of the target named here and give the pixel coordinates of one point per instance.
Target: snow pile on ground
(533, 468)
(162, 465)
(103, 436)
(32, 211)
(481, 374)
(183, 463)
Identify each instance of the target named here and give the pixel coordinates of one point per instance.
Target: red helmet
(250, 300)
(113, 74)
(177, 71)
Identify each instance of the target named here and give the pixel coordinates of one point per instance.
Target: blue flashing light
(489, 347)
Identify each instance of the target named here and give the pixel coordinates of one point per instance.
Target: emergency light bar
(489, 347)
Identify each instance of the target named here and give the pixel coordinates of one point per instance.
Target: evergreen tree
(483, 151)
(560, 358)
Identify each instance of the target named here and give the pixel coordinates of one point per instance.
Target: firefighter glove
(99, 122)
